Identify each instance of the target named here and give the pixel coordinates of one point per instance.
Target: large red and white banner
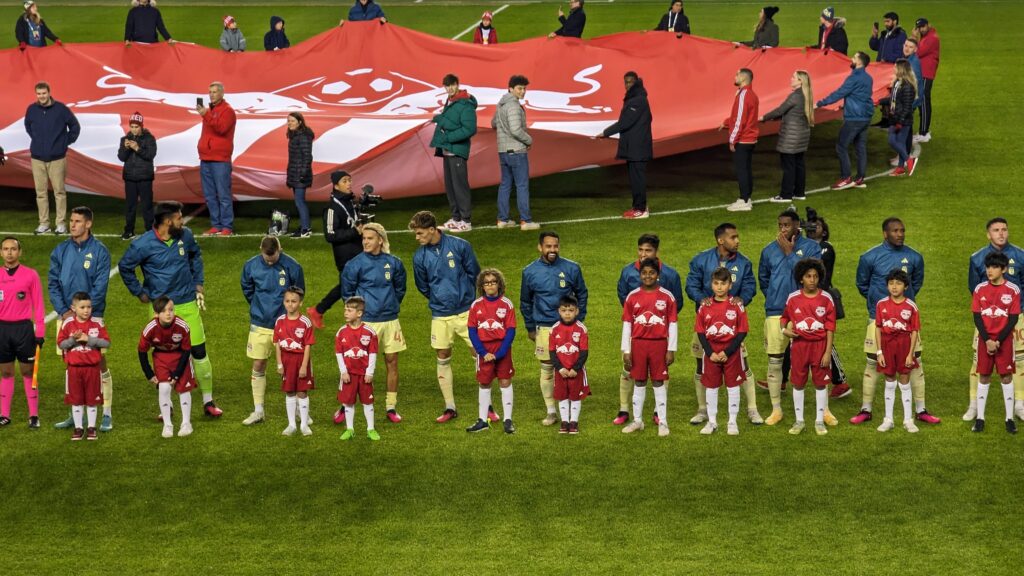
(369, 91)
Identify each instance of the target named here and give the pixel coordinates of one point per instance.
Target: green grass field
(430, 499)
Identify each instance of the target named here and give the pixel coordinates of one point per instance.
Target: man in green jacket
(456, 124)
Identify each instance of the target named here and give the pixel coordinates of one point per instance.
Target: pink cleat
(861, 417)
(339, 416)
(621, 419)
(492, 415)
(924, 416)
(393, 416)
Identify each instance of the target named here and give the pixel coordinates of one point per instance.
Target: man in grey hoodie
(231, 39)
(513, 144)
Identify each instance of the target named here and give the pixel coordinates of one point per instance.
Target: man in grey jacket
(513, 144)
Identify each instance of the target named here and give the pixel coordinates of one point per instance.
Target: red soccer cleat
(211, 410)
(924, 416)
(339, 416)
(225, 232)
(861, 417)
(843, 184)
(491, 415)
(897, 171)
(621, 419)
(393, 416)
(911, 165)
(447, 415)
(840, 391)
(860, 183)
(655, 419)
(634, 214)
(212, 232)
(315, 317)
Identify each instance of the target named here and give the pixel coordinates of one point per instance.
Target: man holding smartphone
(216, 144)
(888, 43)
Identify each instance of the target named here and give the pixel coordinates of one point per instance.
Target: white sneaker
(42, 229)
(527, 226)
(709, 429)
(254, 418)
(633, 426)
(168, 431)
(185, 430)
(797, 428)
(780, 200)
(663, 428)
(1018, 410)
(820, 429)
(61, 230)
(306, 431)
(886, 425)
(910, 426)
(449, 224)
(506, 224)
(894, 161)
(550, 420)
(700, 417)
(755, 417)
(732, 429)
(460, 226)
(740, 206)
(971, 414)
(923, 137)
(289, 431)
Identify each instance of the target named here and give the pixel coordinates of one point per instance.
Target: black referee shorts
(17, 342)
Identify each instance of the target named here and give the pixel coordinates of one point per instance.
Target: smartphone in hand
(199, 102)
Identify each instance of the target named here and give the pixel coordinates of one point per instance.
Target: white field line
(475, 24)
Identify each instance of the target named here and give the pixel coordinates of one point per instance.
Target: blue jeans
(898, 142)
(216, 178)
(857, 133)
(515, 169)
(300, 204)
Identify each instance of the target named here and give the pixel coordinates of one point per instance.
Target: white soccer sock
(661, 403)
(76, 415)
(304, 411)
(890, 398)
(906, 394)
(207, 397)
(1008, 399)
(90, 412)
(820, 404)
(350, 416)
(506, 402)
(982, 397)
(484, 396)
(185, 399)
(574, 410)
(639, 396)
(798, 403)
(563, 410)
(289, 405)
(164, 393)
(711, 397)
(734, 403)
(368, 414)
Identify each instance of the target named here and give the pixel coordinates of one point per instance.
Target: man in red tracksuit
(743, 132)
(928, 52)
(216, 144)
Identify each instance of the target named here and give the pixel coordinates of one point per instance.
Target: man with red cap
(485, 32)
(137, 150)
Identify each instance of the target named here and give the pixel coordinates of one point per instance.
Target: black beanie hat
(337, 175)
(770, 11)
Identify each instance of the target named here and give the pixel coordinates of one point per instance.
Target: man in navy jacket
(573, 24)
(52, 127)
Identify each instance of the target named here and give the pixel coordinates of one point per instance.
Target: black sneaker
(33, 422)
(480, 426)
(1011, 426)
(979, 425)
(510, 428)
(301, 234)
(563, 428)
(4, 420)
(127, 235)
(574, 427)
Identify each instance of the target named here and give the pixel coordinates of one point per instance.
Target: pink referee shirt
(21, 297)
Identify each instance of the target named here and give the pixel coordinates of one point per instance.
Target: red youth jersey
(82, 355)
(650, 312)
(492, 318)
(812, 316)
(162, 338)
(995, 304)
(720, 322)
(567, 340)
(897, 319)
(355, 345)
(293, 335)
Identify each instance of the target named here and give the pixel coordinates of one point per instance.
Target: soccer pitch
(432, 499)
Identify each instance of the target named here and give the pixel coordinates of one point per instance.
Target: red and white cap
(135, 118)
(487, 16)
(228, 20)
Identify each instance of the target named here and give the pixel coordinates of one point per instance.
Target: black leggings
(136, 192)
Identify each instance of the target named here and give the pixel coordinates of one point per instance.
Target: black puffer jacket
(901, 102)
(300, 159)
(138, 166)
(634, 126)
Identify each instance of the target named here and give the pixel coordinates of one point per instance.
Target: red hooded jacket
(928, 52)
(742, 122)
(217, 141)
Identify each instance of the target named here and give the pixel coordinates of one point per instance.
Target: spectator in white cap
(30, 30)
(485, 32)
(232, 39)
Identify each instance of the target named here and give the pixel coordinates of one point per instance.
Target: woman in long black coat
(300, 168)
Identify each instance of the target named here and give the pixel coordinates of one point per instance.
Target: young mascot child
(569, 347)
(809, 319)
(996, 308)
(81, 338)
(649, 340)
(721, 327)
(897, 328)
(168, 336)
(492, 329)
(356, 348)
(293, 337)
